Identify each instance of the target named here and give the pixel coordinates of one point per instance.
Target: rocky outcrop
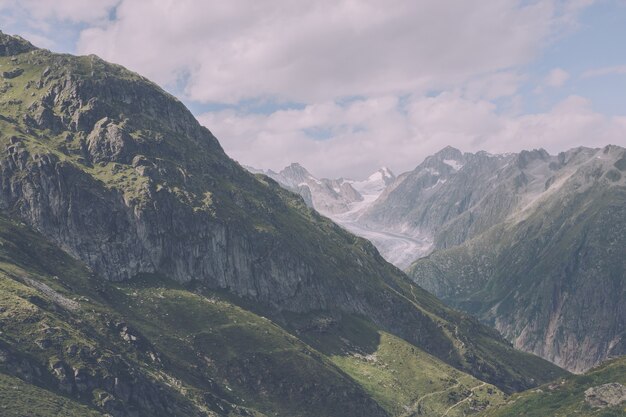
(108, 142)
(13, 45)
(606, 395)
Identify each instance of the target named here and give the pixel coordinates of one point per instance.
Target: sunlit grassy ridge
(566, 397)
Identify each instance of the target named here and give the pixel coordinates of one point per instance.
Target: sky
(347, 86)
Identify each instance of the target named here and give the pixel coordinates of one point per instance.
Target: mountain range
(533, 244)
(345, 201)
(145, 273)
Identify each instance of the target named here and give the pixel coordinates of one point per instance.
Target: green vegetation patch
(19, 399)
(566, 397)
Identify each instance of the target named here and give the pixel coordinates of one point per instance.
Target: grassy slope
(18, 399)
(206, 345)
(567, 398)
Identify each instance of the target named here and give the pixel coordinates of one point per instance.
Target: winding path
(413, 409)
(465, 399)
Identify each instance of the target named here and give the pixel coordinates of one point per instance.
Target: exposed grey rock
(606, 395)
(16, 72)
(327, 196)
(13, 45)
(108, 142)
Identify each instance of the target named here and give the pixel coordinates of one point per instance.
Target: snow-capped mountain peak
(375, 183)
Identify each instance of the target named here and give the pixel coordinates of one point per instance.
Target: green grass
(566, 398)
(206, 337)
(407, 381)
(19, 399)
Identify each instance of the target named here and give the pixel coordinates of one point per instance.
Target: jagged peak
(295, 167)
(13, 45)
(449, 151)
(383, 174)
(387, 172)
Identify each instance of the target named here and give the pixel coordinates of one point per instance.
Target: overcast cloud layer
(345, 86)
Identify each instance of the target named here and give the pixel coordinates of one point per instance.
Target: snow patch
(456, 165)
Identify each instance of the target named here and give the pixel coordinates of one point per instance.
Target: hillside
(174, 282)
(599, 392)
(552, 277)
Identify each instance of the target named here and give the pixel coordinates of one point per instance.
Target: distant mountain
(376, 183)
(145, 273)
(345, 201)
(326, 196)
(506, 249)
(453, 196)
(545, 262)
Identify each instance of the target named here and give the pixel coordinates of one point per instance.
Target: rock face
(551, 276)
(13, 45)
(606, 395)
(120, 175)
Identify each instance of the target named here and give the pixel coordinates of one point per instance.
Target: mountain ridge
(536, 275)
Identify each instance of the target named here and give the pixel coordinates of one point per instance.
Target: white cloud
(43, 14)
(50, 23)
(599, 72)
(381, 131)
(556, 78)
(78, 11)
(322, 49)
(392, 54)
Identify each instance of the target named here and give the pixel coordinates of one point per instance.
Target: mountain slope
(152, 347)
(345, 201)
(592, 394)
(552, 278)
(453, 196)
(118, 173)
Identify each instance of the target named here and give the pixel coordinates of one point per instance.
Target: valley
(145, 273)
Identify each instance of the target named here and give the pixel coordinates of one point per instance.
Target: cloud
(376, 82)
(50, 24)
(323, 49)
(494, 86)
(386, 131)
(556, 78)
(42, 14)
(600, 72)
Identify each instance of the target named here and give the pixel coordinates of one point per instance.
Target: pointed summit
(295, 174)
(449, 152)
